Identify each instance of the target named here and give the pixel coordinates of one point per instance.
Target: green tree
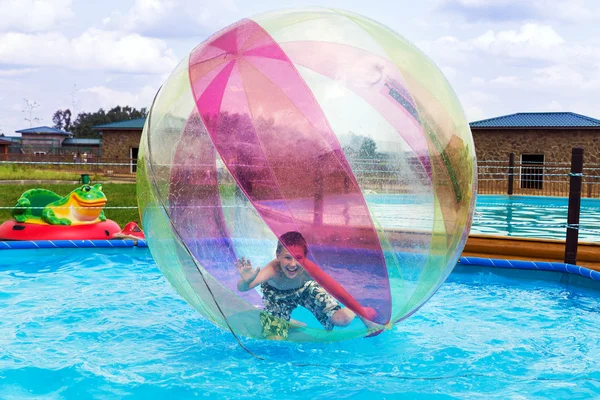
(62, 119)
(360, 146)
(82, 126)
(368, 148)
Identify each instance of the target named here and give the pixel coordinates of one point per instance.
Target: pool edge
(70, 244)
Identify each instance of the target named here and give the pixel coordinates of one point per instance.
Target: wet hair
(291, 239)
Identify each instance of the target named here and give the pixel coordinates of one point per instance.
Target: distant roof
(133, 124)
(44, 130)
(538, 120)
(5, 140)
(81, 142)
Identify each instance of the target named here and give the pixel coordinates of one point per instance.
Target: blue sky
(501, 56)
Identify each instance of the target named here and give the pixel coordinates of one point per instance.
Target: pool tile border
(531, 265)
(473, 261)
(70, 244)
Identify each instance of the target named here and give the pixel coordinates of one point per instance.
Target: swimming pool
(521, 216)
(534, 216)
(104, 323)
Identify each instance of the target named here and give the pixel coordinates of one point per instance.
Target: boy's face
(287, 261)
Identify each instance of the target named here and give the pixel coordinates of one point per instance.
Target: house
(5, 143)
(121, 141)
(44, 140)
(545, 137)
(541, 143)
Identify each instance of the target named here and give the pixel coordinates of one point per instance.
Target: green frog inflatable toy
(83, 205)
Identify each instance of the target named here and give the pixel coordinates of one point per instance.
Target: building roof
(132, 124)
(538, 120)
(5, 140)
(43, 130)
(81, 142)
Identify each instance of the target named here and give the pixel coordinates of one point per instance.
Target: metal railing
(536, 179)
(575, 180)
(110, 168)
(494, 176)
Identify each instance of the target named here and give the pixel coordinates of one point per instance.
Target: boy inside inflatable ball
(286, 285)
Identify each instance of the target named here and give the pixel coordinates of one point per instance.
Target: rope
(63, 207)
(594, 231)
(66, 163)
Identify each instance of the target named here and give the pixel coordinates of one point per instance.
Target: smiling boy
(286, 285)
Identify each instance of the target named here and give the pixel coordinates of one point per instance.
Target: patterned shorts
(279, 305)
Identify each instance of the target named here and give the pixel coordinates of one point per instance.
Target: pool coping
(530, 249)
(465, 260)
(531, 265)
(71, 244)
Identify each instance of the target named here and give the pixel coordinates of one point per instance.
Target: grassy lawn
(19, 172)
(118, 194)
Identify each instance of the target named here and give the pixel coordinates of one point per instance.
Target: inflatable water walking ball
(315, 121)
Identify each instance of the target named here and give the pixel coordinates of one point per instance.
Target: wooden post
(574, 205)
(511, 173)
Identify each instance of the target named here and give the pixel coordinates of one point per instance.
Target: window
(532, 171)
(133, 154)
(39, 153)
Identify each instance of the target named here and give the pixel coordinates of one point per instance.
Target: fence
(124, 169)
(573, 179)
(537, 179)
(494, 176)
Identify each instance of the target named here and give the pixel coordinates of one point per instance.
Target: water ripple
(89, 324)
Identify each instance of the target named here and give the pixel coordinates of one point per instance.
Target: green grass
(17, 172)
(118, 194)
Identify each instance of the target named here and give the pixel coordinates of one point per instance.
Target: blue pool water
(534, 216)
(521, 216)
(89, 323)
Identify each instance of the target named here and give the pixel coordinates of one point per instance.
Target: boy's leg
(324, 306)
(343, 317)
(276, 314)
(274, 328)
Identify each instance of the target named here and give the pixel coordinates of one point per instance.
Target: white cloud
(105, 97)
(479, 97)
(33, 15)
(474, 113)
(554, 106)
(509, 81)
(94, 49)
(574, 11)
(531, 42)
(530, 34)
(7, 73)
(168, 18)
(562, 77)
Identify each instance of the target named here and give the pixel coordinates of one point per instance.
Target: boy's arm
(263, 275)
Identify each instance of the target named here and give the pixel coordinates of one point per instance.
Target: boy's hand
(245, 270)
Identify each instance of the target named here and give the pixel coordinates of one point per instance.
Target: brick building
(546, 136)
(541, 143)
(121, 141)
(4, 144)
(42, 140)
(51, 143)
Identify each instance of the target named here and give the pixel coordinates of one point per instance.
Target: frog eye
(86, 188)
